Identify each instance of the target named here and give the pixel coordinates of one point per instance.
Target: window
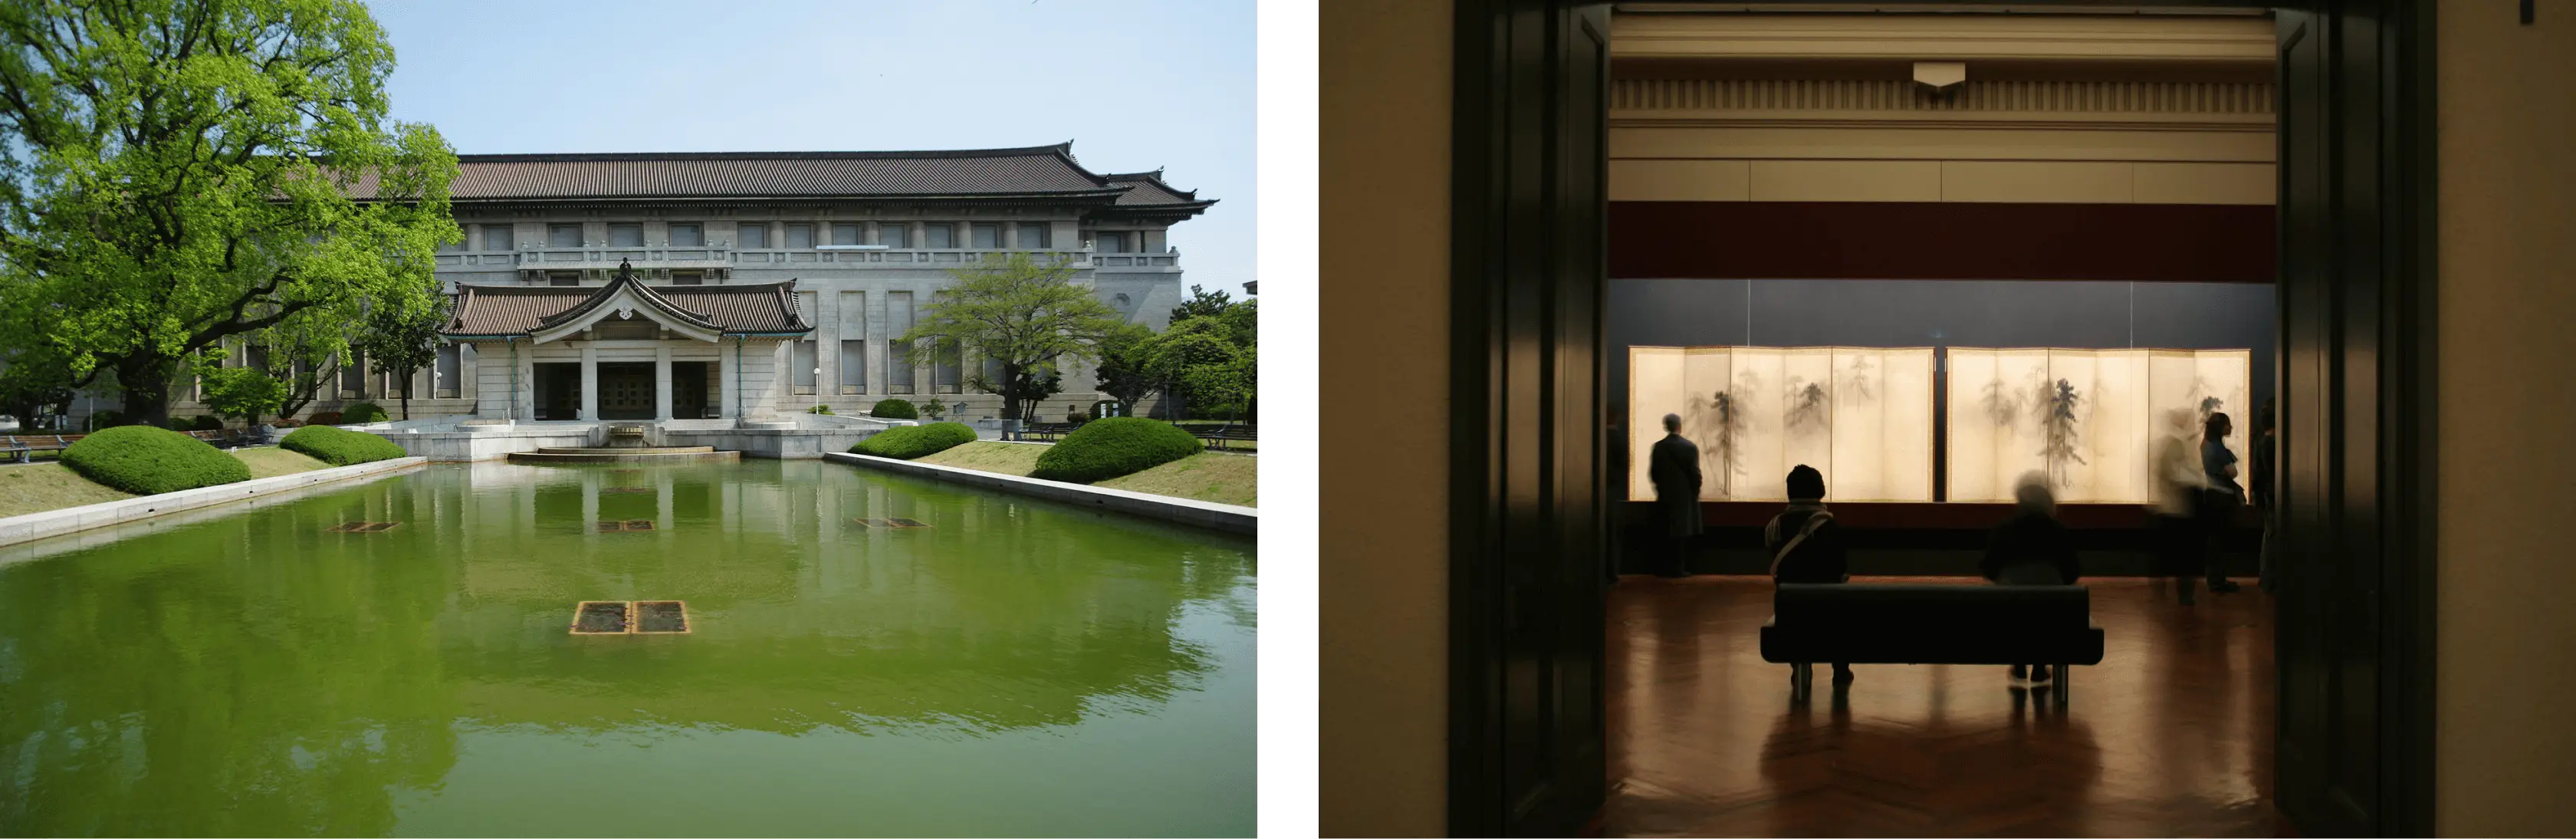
(563, 235)
(847, 234)
(800, 235)
(945, 370)
(899, 360)
(891, 234)
(688, 236)
(626, 235)
(1111, 241)
(353, 377)
(1033, 234)
(688, 278)
(854, 366)
(563, 278)
(446, 371)
(496, 237)
(751, 234)
(935, 236)
(987, 236)
(803, 373)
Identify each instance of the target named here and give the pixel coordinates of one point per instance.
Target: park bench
(1224, 438)
(23, 447)
(228, 438)
(1879, 623)
(1046, 430)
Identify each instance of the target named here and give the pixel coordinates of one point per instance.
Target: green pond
(1016, 667)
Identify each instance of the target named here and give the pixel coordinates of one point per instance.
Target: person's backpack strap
(1818, 520)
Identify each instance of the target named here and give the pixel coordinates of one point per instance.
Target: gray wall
(1936, 313)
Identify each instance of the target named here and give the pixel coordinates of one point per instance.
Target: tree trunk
(1010, 398)
(406, 393)
(146, 382)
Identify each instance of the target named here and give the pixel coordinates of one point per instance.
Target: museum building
(747, 284)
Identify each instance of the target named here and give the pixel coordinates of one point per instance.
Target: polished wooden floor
(2170, 736)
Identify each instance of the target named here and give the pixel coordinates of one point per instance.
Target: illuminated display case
(1860, 415)
(2099, 422)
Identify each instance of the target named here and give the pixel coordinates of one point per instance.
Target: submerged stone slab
(676, 454)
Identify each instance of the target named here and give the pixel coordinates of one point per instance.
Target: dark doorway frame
(555, 388)
(2368, 221)
(621, 376)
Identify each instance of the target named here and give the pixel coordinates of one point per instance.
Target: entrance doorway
(626, 391)
(558, 390)
(1531, 484)
(689, 389)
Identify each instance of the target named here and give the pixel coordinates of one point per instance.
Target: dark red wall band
(1941, 241)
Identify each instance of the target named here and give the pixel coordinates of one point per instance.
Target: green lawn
(41, 486)
(270, 462)
(1207, 476)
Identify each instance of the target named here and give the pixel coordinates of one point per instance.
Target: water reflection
(255, 674)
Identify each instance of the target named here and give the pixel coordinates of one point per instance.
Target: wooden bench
(23, 447)
(1224, 438)
(1879, 623)
(1046, 430)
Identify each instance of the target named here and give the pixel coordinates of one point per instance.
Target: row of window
(947, 375)
(755, 235)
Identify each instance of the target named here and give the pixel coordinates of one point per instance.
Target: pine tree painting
(2058, 430)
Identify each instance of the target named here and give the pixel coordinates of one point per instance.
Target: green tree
(242, 393)
(1202, 303)
(1035, 384)
(1125, 372)
(401, 337)
(1018, 311)
(174, 173)
(1192, 354)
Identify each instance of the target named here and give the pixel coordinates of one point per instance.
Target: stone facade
(868, 240)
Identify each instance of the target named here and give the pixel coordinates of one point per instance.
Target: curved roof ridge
(1064, 149)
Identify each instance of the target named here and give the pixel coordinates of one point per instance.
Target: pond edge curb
(51, 523)
(1226, 517)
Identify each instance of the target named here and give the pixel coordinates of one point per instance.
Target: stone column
(662, 382)
(590, 384)
(728, 363)
(525, 395)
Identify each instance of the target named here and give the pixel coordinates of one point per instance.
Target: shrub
(325, 418)
(893, 409)
(340, 447)
(819, 409)
(208, 422)
(934, 409)
(106, 419)
(1107, 448)
(145, 460)
(358, 413)
(914, 441)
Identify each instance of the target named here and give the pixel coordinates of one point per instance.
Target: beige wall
(2506, 755)
(1385, 195)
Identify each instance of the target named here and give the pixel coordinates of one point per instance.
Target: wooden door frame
(2406, 215)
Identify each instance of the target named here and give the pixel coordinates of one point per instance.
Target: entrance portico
(627, 351)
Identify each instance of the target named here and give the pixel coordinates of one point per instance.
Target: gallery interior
(1928, 250)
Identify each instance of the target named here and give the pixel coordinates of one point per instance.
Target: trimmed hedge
(145, 460)
(360, 413)
(1113, 446)
(894, 409)
(913, 441)
(325, 418)
(340, 447)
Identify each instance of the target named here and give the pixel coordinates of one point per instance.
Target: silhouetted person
(2261, 483)
(2032, 548)
(2219, 502)
(1806, 543)
(1674, 468)
(2179, 479)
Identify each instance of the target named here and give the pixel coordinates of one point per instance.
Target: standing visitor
(2032, 548)
(2179, 478)
(2220, 501)
(1674, 468)
(1806, 543)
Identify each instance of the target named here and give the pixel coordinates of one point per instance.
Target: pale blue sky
(1134, 85)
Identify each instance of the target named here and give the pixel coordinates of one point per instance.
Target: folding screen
(2098, 422)
(1860, 415)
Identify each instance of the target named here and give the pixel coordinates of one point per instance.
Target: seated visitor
(2031, 549)
(1806, 544)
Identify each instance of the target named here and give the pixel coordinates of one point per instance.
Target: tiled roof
(1147, 189)
(519, 310)
(1048, 171)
